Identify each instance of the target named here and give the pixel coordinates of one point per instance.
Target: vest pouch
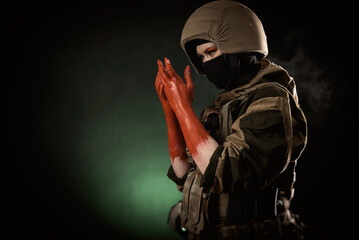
(192, 218)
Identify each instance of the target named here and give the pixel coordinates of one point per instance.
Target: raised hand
(177, 91)
(180, 96)
(176, 142)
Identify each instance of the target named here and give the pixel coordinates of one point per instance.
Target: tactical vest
(202, 210)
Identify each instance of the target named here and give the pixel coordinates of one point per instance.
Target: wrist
(178, 153)
(183, 111)
(199, 142)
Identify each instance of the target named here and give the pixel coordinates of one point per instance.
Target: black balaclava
(229, 71)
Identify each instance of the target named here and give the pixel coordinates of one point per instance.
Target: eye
(211, 51)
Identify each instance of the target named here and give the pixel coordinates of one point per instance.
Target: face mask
(229, 71)
(218, 71)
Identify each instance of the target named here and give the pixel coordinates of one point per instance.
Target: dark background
(82, 114)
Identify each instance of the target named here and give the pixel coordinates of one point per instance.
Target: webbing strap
(186, 193)
(226, 121)
(223, 199)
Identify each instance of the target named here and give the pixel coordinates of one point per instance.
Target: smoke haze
(313, 85)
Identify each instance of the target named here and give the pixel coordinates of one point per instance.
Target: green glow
(110, 127)
(125, 177)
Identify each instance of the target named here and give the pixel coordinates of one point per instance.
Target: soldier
(236, 163)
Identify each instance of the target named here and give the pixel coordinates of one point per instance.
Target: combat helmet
(233, 27)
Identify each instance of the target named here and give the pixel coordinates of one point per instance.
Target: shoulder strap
(226, 121)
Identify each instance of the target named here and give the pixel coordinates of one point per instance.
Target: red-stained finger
(171, 72)
(158, 81)
(189, 82)
(187, 76)
(162, 70)
(157, 87)
(161, 90)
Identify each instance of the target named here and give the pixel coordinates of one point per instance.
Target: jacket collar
(269, 72)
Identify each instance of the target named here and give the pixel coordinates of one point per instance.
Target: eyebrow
(209, 48)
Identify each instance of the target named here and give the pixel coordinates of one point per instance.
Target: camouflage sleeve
(258, 148)
(179, 181)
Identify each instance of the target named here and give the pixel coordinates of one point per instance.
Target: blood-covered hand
(179, 94)
(176, 142)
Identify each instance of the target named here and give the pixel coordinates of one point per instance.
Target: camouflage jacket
(261, 131)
